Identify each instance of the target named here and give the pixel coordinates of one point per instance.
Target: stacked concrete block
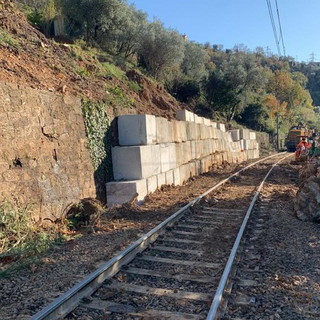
(214, 124)
(185, 115)
(169, 178)
(252, 135)
(152, 184)
(198, 131)
(163, 130)
(235, 134)
(187, 151)
(203, 131)
(167, 156)
(126, 191)
(179, 131)
(197, 119)
(205, 164)
(244, 134)
(155, 152)
(176, 177)
(179, 154)
(134, 130)
(161, 179)
(184, 172)
(222, 127)
(192, 131)
(136, 162)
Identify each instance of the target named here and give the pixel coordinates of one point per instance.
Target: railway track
(178, 270)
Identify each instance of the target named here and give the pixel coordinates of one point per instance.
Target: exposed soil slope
(28, 58)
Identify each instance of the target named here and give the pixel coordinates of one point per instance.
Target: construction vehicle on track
(294, 136)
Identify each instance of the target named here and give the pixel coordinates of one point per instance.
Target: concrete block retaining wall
(153, 152)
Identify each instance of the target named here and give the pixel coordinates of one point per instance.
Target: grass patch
(112, 70)
(133, 86)
(23, 240)
(118, 98)
(7, 40)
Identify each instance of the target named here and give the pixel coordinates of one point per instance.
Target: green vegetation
(6, 39)
(250, 87)
(21, 239)
(97, 125)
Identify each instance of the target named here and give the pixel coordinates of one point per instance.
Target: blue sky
(232, 22)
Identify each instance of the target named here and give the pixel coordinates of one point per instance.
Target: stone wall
(44, 160)
(153, 152)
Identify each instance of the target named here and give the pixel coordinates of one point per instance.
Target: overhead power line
(280, 29)
(273, 26)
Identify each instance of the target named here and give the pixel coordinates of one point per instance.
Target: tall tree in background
(160, 50)
(127, 38)
(234, 83)
(93, 18)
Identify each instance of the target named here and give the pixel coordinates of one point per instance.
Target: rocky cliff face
(44, 159)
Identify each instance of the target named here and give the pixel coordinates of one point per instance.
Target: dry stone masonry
(154, 151)
(44, 159)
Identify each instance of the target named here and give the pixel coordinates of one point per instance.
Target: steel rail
(213, 312)
(69, 300)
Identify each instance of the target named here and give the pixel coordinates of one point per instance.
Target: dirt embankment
(28, 58)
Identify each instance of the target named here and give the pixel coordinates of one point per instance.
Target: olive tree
(160, 49)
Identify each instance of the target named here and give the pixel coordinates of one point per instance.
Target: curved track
(177, 276)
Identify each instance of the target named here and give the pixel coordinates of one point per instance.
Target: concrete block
(176, 177)
(244, 134)
(171, 133)
(161, 179)
(167, 156)
(179, 131)
(186, 151)
(246, 144)
(183, 130)
(198, 131)
(198, 149)
(206, 121)
(169, 177)
(136, 130)
(214, 124)
(119, 192)
(194, 168)
(135, 162)
(193, 149)
(229, 136)
(179, 154)
(222, 127)
(185, 115)
(205, 164)
(214, 133)
(252, 135)
(184, 172)
(164, 130)
(197, 119)
(192, 129)
(206, 147)
(235, 134)
(203, 131)
(152, 184)
(242, 144)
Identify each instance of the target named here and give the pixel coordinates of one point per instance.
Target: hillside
(28, 58)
